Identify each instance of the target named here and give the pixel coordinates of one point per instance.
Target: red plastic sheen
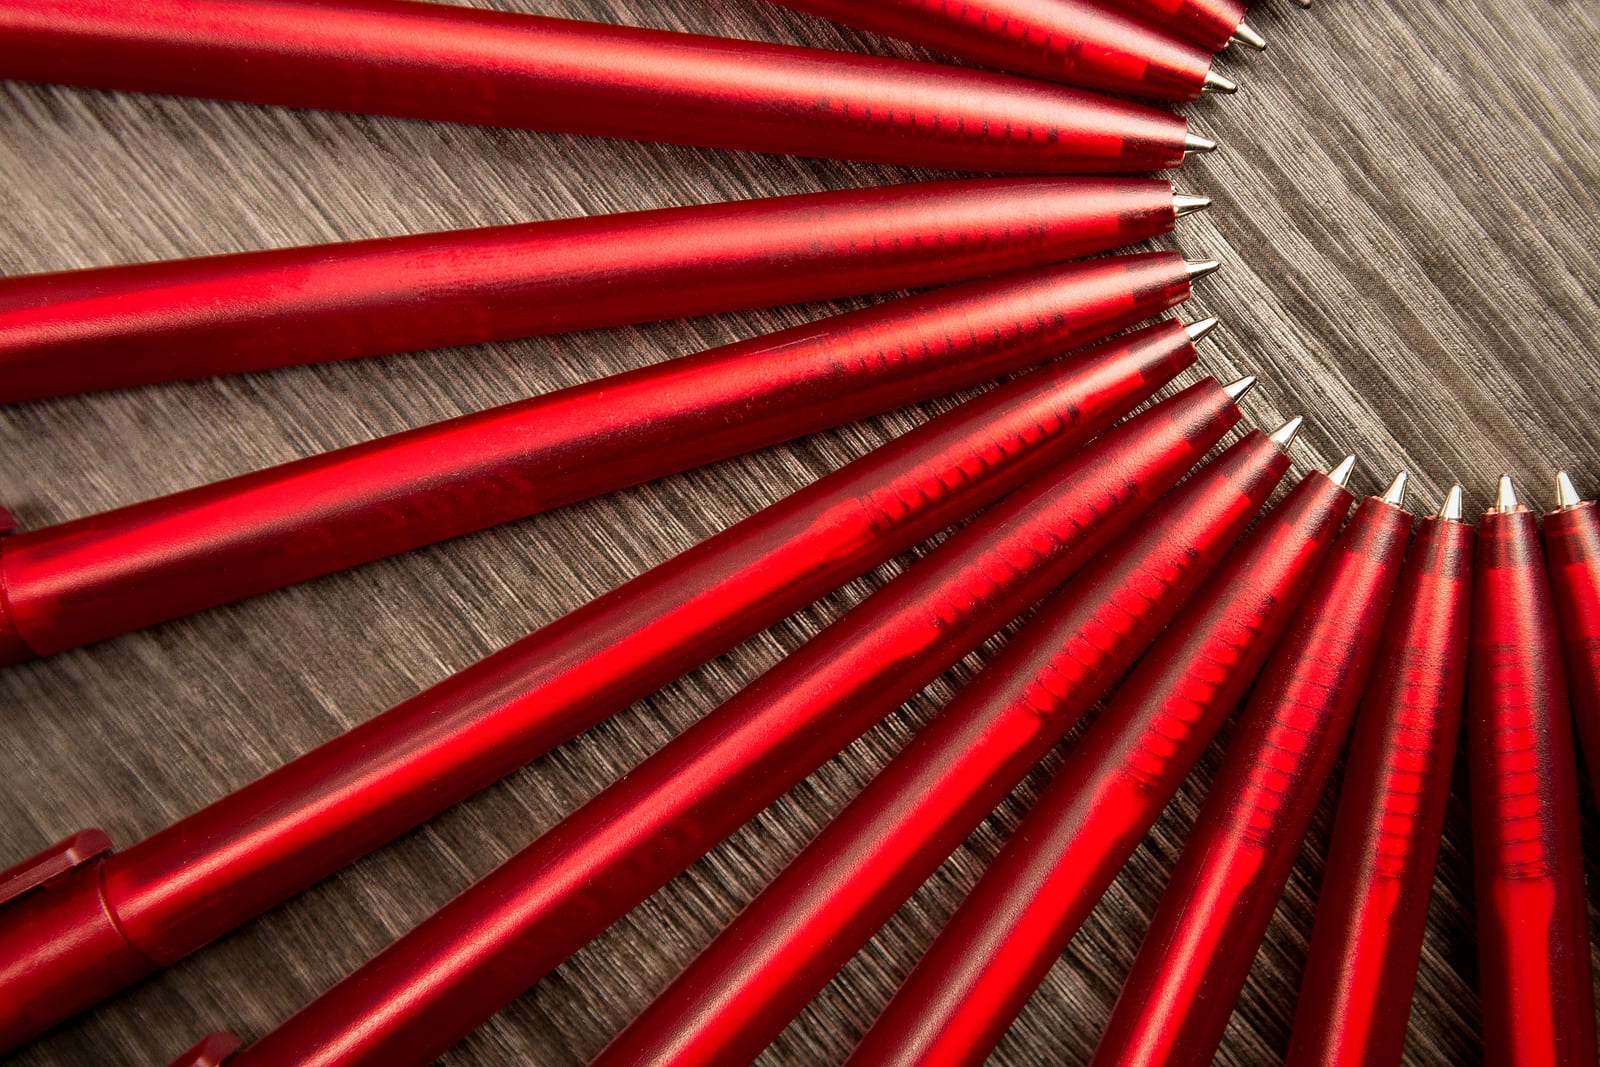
(1366, 944)
(459, 64)
(112, 922)
(962, 996)
(1197, 953)
(483, 949)
(1534, 977)
(1572, 545)
(1208, 23)
(1070, 41)
(746, 986)
(106, 574)
(111, 327)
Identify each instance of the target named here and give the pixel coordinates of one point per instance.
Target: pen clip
(210, 1051)
(53, 863)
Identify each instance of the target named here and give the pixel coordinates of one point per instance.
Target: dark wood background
(1407, 210)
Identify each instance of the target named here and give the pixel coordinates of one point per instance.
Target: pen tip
(1396, 493)
(1184, 204)
(1284, 435)
(1200, 268)
(1245, 35)
(1193, 142)
(1566, 493)
(1216, 83)
(1197, 331)
(1506, 498)
(1236, 390)
(1340, 475)
(1303, 3)
(1450, 510)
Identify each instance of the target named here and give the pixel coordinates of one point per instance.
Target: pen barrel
(457, 64)
(258, 846)
(1070, 41)
(1214, 912)
(979, 972)
(456, 969)
(746, 986)
(1208, 23)
(1366, 943)
(112, 327)
(1572, 546)
(107, 574)
(1534, 975)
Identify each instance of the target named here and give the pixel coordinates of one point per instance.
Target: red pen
(505, 932)
(1211, 24)
(1366, 943)
(1203, 938)
(121, 570)
(1076, 42)
(1534, 978)
(80, 925)
(965, 992)
(1572, 543)
(111, 327)
(747, 985)
(459, 64)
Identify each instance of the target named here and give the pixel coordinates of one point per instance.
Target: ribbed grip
(758, 974)
(1208, 23)
(1572, 545)
(1534, 976)
(986, 963)
(460, 64)
(1068, 41)
(1367, 941)
(1215, 910)
(121, 570)
(510, 928)
(113, 327)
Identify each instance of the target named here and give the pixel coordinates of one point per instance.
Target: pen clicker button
(53, 863)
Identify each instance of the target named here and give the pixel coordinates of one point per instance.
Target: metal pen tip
(1193, 142)
(1237, 390)
(1197, 330)
(1450, 510)
(1566, 493)
(1200, 268)
(1506, 498)
(1303, 3)
(1396, 493)
(1216, 83)
(1245, 35)
(1284, 435)
(1340, 475)
(1184, 204)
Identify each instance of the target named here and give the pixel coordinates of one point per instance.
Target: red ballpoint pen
(1076, 42)
(112, 327)
(747, 985)
(459, 64)
(510, 928)
(1366, 943)
(1203, 938)
(1211, 24)
(106, 574)
(962, 996)
(1572, 544)
(1534, 977)
(78, 925)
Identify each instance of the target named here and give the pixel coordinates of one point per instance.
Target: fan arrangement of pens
(1155, 583)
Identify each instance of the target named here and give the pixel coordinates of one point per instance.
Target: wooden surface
(1406, 204)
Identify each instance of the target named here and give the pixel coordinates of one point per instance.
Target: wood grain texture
(1407, 209)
